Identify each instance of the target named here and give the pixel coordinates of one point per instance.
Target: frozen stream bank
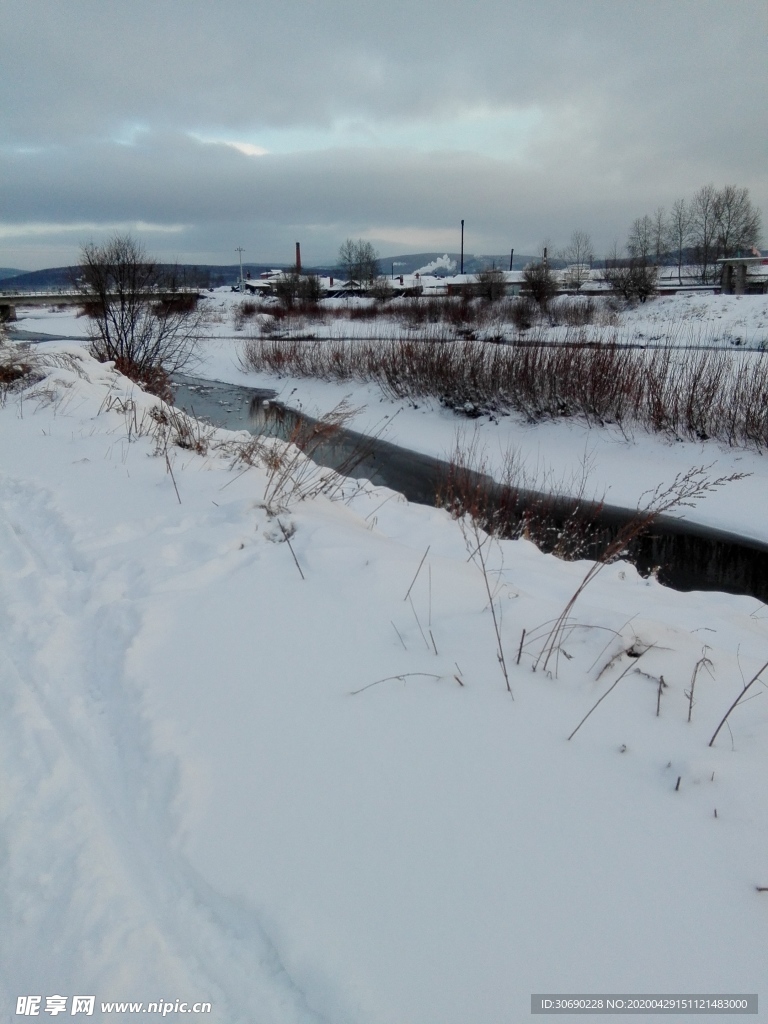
(686, 555)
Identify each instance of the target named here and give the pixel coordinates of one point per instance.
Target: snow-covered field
(301, 792)
(732, 321)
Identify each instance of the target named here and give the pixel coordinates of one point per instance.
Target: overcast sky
(203, 125)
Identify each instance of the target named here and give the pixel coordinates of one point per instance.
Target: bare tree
(491, 284)
(359, 262)
(679, 233)
(367, 263)
(648, 237)
(539, 283)
(716, 223)
(138, 317)
(347, 259)
(737, 220)
(633, 278)
(659, 234)
(704, 231)
(578, 256)
(381, 288)
(640, 244)
(296, 289)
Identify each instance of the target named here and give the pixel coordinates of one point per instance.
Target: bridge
(9, 300)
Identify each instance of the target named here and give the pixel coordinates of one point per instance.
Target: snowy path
(92, 875)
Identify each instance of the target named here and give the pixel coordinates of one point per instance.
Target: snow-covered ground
(302, 792)
(732, 321)
(567, 456)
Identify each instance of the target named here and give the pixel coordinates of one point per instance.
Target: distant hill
(40, 280)
(210, 275)
(196, 276)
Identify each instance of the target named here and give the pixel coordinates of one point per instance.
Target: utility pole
(462, 248)
(511, 257)
(240, 250)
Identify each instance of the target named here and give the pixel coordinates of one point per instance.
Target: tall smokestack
(298, 257)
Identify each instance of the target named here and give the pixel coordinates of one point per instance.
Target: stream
(684, 555)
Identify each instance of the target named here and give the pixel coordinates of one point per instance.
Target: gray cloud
(381, 119)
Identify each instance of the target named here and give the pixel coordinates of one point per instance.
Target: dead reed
(555, 515)
(684, 491)
(18, 366)
(684, 392)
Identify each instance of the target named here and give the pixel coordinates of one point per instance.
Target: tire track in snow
(87, 867)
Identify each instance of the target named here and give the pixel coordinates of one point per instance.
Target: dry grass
(18, 366)
(684, 491)
(555, 515)
(242, 312)
(170, 427)
(686, 392)
(154, 379)
(464, 316)
(755, 678)
(478, 545)
(293, 475)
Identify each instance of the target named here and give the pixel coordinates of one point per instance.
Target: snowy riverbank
(199, 804)
(569, 456)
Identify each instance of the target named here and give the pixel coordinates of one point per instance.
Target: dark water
(685, 556)
(34, 337)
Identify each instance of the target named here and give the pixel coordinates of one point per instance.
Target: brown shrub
(153, 379)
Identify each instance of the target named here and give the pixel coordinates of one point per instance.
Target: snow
(740, 320)
(564, 457)
(310, 799)
(571, 457)
(685, 318)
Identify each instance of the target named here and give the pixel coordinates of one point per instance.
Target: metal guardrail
(4, 292)
(69, 292)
